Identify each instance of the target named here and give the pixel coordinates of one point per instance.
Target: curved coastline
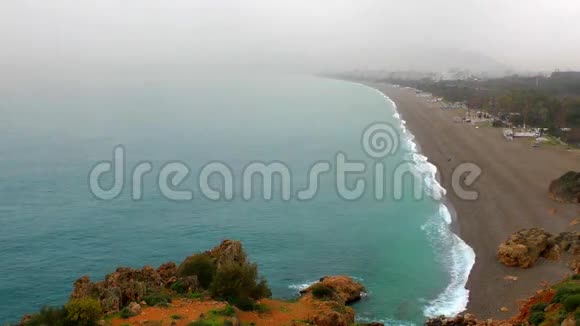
(459, 256)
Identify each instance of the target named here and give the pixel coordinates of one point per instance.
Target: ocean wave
(301, 286)
(450, 248)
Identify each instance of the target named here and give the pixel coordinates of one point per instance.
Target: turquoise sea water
(54, 230)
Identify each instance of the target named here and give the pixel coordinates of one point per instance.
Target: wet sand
(512, 195)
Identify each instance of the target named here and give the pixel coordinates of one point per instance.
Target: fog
(89, 37)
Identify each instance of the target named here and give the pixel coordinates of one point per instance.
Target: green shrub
(321, 291)
(83, 312)
(200, 265)
(179, 287)
(238, 284)
(158, 299)
(195, 295)
(565, 290)
(244, 303)
(49, 316)
(572, 302)
(539, 307)
(204, 322)
(537, 317)
(176, 317)
(576, 277)
(227, 311)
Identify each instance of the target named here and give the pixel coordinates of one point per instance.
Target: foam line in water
(451, 249)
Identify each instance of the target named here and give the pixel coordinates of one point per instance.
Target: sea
(305, 171)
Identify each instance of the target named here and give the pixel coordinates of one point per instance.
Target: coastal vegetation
(77, 312)
(216, 287)
(551, 102)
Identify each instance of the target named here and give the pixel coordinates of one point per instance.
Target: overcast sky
(298, 34)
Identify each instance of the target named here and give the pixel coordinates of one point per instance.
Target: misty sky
(309, 35)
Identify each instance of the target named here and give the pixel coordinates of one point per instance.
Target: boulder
(566, 188)
(523, 248)
(134, 309)
(344, 289)
(569, 242)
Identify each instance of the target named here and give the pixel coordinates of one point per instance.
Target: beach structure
(508, 133)
(511, 133)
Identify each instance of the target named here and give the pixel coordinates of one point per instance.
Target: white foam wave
(456, 254)
(451, 249)
(301, 286)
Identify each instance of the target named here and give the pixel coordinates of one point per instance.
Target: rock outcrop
(523, 248)
(330, 295)
(526, 246)
(126, 285)
(228, 252)
(566, 188)
(343, 289)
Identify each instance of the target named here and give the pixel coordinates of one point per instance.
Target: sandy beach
(512, 195)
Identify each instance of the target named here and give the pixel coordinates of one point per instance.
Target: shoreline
(456, 292)
(512, 195)
(455, 296)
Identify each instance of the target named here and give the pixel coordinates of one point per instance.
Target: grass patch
(158, 299)
(194, 295)
(207, 322)
(227, 311)
(262, 308)
(176, 317)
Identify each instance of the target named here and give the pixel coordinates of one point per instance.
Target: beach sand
(512, 195)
